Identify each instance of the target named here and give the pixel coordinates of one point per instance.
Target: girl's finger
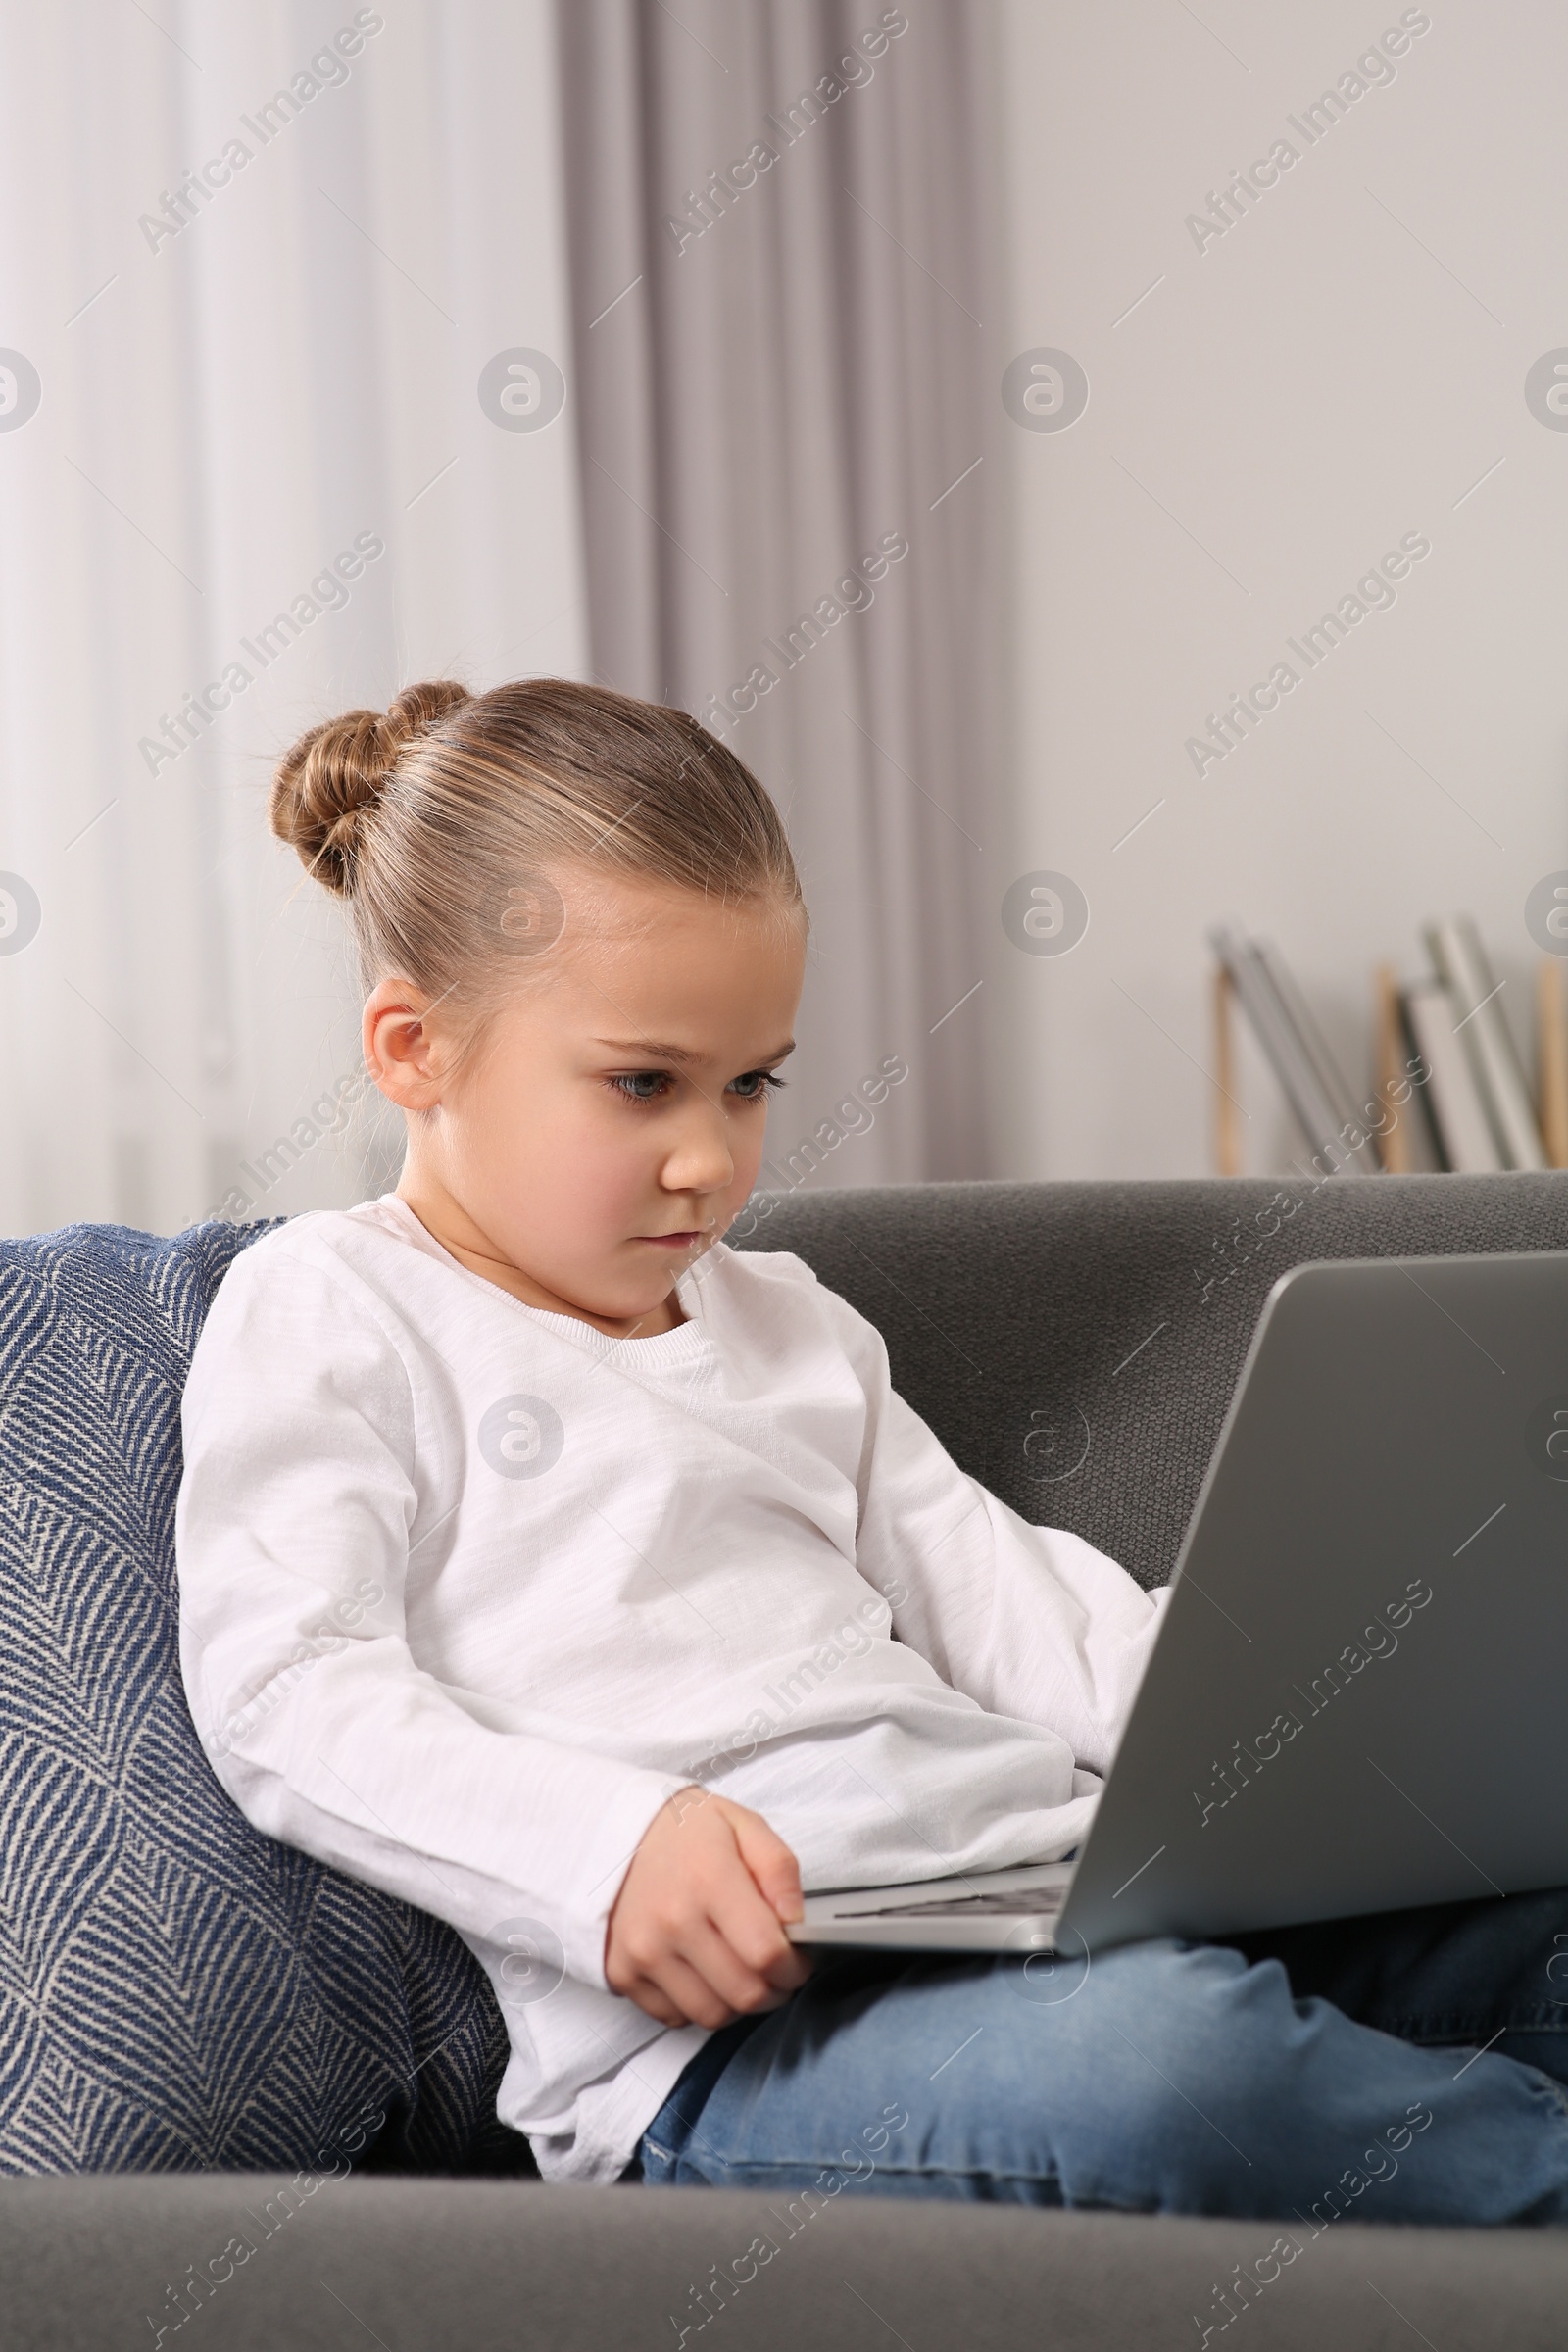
(771, 1862)
(709, 1950)
(699, 2003)
(656, 2004)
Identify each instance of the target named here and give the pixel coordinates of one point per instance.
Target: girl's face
(608, 1125)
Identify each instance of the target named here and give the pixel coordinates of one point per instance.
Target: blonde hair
(442, 820)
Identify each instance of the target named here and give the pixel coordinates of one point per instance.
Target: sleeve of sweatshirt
(1029, 1621)
(292, 1541)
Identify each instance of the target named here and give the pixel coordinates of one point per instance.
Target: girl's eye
(651, 1086)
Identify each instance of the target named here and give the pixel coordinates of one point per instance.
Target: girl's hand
(694, 1934)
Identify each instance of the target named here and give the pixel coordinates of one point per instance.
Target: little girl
(549, 1564)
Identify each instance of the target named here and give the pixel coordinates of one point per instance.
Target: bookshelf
(1475, 1107)
(1552, 1051)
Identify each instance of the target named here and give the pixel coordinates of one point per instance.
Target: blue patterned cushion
(177, 1991)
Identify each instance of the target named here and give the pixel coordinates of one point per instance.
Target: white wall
(1340, 368)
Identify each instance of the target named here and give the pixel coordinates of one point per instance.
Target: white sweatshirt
(467, 1589)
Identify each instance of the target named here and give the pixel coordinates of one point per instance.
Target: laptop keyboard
(1019, 1903)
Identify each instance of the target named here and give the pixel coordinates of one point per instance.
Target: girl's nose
(700, 1160)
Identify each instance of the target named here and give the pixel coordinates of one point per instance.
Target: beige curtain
(247, 477)
(781, 229)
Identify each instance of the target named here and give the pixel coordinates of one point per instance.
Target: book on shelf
(1462, 1135)
(1447, 1030)
(1311, 1081)
(1460, 962)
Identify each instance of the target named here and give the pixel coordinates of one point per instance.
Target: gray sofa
(1074, 1345)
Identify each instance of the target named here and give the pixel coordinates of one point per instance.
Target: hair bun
(337, 771)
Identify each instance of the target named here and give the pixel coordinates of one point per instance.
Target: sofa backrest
(179, 1991)
(1076, 1346)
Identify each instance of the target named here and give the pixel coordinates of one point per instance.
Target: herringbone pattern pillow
(177, 1991)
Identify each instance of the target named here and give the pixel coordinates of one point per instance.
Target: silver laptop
(1358, 1698)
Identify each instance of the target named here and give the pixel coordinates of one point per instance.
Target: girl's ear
(400, 1053)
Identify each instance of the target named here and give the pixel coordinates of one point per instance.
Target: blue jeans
(1306, 2072)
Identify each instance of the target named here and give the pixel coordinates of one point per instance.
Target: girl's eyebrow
(661, 1053)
